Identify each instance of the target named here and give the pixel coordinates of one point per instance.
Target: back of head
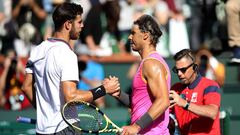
(147, 23)
(64, 12)
(185, 53)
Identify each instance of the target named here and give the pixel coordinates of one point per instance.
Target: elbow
(165, 103)
(214, 115)
(69, 98)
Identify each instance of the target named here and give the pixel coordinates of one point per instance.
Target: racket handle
(21, 119)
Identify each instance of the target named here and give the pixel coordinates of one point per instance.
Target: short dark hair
(188, 53)
(64, 12)
(147, 23)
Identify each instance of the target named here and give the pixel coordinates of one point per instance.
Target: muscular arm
(70, 92)
(155, 74)
(28, 89)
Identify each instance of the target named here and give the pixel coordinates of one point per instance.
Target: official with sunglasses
(195, 100)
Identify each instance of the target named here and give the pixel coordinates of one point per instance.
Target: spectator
(195, 100)
(7, 27)
(11, 95)
(210, 67)
(29, 15)
(233, 25)
(127, 11)
(201, 22)
(92, 31)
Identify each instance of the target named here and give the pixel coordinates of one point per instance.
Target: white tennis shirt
(53, 62)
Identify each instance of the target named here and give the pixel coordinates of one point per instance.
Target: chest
(194, 95)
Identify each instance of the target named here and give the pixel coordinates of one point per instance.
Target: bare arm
(209, 110)
(71, 92)
(90, 42)
(155, 74)
(36, 9)
(28, 88)
(3, 77)
(41, 13)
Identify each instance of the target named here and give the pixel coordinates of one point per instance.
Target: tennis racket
(87, 118)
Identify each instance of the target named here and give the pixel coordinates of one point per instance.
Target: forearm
(124, 98)
(90, 42)
(80, 95)
(29, 89)
(30, 94)
(16, 11)
(210, 111)
(158, 107)
(3, 79)
(38, 11)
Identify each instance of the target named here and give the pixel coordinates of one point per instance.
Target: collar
(58, 39)
(195, 82)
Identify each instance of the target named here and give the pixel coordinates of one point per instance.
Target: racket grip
(26, 120)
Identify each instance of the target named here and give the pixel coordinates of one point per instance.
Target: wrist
(144, 121)
(137, 127)
(186, 106)
(98, 92)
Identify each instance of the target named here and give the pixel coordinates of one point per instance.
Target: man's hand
(176, 99)
(131, 130)
(111, 85)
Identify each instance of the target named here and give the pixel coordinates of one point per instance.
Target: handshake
(112, 86)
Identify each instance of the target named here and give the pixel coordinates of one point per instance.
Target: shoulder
(152, 62)
(209, 86)
(208, 82)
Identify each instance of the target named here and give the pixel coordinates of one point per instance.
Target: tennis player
(52, 73)
(151, 84)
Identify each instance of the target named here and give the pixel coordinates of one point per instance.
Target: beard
(74, 35)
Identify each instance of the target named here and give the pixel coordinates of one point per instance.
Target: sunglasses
(183, 70)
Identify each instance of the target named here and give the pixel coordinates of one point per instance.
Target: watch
(186, 106)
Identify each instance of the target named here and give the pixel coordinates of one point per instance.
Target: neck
(146, 52)
(193, 78)
(63, 36)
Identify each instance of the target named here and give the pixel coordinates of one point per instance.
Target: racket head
(87, 118)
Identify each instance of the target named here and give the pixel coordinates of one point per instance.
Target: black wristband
(187, 105)
(98, 92)
(145, 120)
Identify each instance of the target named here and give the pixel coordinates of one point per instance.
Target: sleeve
(29, 65)
(212, 95)
(69, 67)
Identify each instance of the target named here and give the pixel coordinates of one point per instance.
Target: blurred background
(103, 49)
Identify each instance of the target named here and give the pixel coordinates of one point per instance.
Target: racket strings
(85, 117)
